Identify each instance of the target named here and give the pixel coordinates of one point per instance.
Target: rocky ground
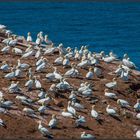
(20, 126)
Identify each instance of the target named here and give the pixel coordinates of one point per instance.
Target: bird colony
(49, 91)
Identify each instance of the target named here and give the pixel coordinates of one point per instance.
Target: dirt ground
(20, 126)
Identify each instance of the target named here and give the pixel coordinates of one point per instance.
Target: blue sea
(100, 25)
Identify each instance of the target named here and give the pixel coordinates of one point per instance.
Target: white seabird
(29, 83)
(63, 85)
(53, 122)
(17, 51)
(110, 94)
(37, 83)
(59, 60)
(66, 61)
(10, 75)
(5, 66)
(87, 136)
(44, 131)
(111, 111)
(94, 113)
(2, 123)
(128, 63)
(138, 134)
(97, 71)
(5, 50)
(29, 37)
(72, 72)
(137, 105)
(22, 65)
(66, 114)
(112, 84)
(71, 109)
(81, 120)
(90, 74)
(123, 103)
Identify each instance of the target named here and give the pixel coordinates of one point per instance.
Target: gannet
(43, 65)
(28, 54)
(42, 108)
(77, 105)
(110, 94)
(10, 75)
(112, 85)
(17, 51)
(42, 94)
(38, 40)
(57, 74)
(47, 41)
(119, 70)
(37, 83)
(22, 65)
(87, 136)
(66, 61)
(97, 71)
(50, 77)
(125, 75)
(2, 26)
(83, 87)
(138, 116)
(45, 100)
(5, 66)
(84, 63)
(63, 85)
(2, 123)
(1, 94)
(128, 63)
(138, 134)
(94, 113)
(40, 61)
(44, 131)
(29, 38)
(137, 105)
(111, 111)
(73, 72)
(49, 51)
(59, 60)
(72, 96)
(5, 50)
(90, 74)
(77, 56)
(88, 92)
(71, 109)
(6, 104)
(94, 60)
(70, 53)
(12, 42)
(14, 87)
(18, 72)
(123, 103)
(3, 110)
(38, 53)
(24, 100)
(29, 83)
(109, 59)
(62, 50)
(66, 114)
(53, 122)
(29, 112)
(80, 120)
(81, 50)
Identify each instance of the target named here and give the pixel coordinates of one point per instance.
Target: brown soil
(20, 126)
